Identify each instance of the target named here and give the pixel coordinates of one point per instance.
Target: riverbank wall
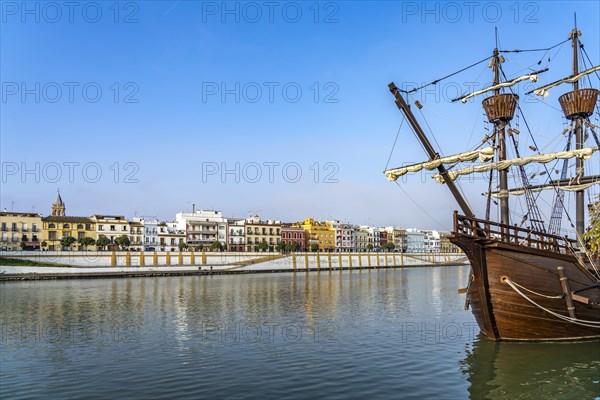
(65, 265)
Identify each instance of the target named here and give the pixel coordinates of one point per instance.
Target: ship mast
(579, 195)
(500, 129)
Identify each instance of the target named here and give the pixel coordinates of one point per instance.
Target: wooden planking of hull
(504, 314)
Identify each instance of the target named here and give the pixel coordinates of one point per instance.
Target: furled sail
(532, 76)
(543, 91)
(583, 154)
(484, 154)
(569, 185)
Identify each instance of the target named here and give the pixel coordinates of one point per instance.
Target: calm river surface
(378, 334)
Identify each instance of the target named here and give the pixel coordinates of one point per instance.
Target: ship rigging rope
(440, 151)
(445, 77)
(529, 50)
(394, 145)
(538, 294)
(583, 322)
(419, 207)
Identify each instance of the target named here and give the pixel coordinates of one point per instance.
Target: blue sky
(305, 93)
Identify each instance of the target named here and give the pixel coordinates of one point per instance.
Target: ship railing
(485, 229)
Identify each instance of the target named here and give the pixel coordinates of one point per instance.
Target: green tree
(297, 246)
(216, 246)
(86, 241)
(592, 236)
(102, 242)
(182, 246)
(389, 246)
(22, 245)
(281, 246)
(123, 241)
(44, 244)
(314, 247)
(263, 246)
(199, 247)
(370, 246)
(67, 242)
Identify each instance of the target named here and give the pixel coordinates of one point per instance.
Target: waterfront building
(170, 236)
(415, 241)
(258, 231)
(55, 227)
(236, 235)
(361, 239)
(136, 235)
(291, 235)
(383, 237)
(373, 237)
(149, 232)
(396, 236)
(20, 231)
(318, 233)
(111, 226)
(344, 236)
(431, 242)
(59, 225)
(203, 227)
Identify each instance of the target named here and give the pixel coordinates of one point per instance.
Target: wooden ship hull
(532, 263)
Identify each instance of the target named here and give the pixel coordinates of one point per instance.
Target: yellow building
(258, 231)
(320, 233)
(54, 228)
(136, 236)
(20, 231)
(58, 225)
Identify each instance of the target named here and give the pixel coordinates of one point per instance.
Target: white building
(170, 236)
(149, 232)
(344, 236)
(432, 242)
(111, 226)
(203, 227)
(236, 235)
(415, 241)
(373, 236)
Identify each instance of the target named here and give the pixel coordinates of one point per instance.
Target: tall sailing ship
(528, 280)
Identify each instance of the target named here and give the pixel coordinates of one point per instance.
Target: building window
(88, 227)
(14, 226)
(80, 235)
(65, 226)
(52, 235)
(80, 226)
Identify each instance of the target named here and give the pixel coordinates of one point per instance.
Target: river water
(377, 334)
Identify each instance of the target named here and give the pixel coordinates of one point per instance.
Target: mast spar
(433, 155)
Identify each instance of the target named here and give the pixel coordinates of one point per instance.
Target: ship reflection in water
(511, 370)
